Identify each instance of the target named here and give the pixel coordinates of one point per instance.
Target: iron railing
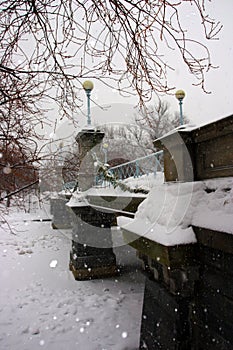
(135, 168)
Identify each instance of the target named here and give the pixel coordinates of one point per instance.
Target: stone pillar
(88, 141)
(199, 153)
(178, 154)
(213, 310)
(92, 254)
(164, 319)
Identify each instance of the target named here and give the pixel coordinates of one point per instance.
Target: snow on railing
(135, 168)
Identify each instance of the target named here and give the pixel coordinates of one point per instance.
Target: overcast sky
(198, 106)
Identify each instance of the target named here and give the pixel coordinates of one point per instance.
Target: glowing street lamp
(88, 87)
(180, 94)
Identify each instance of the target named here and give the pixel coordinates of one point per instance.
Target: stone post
(168, 298)
(92, 254)
(198, 153)
(89, 143)
(178, 156)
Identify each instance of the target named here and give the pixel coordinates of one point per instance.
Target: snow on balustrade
(166, 216)
(146, 182)
(135, 178)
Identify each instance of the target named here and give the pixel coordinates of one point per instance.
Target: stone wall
(188, 301)
(188, 304)
(213, 307)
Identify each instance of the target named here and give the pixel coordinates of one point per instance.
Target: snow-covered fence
(150, 164)
(140, 166)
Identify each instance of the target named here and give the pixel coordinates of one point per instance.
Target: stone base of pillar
(90, 263)
(93, 273)
(92, 254)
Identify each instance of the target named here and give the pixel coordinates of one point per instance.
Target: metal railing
(135, 168)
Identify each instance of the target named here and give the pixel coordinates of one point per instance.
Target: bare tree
(175, 121)
(22, 149)
(153, 123)
(122, 143)
(48, 47)
(51, 46)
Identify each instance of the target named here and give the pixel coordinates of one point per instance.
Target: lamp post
(180, 94)
(88, 87)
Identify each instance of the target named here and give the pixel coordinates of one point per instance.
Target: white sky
(197, 105)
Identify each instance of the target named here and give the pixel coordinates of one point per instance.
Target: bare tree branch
(48, 47)
(55, 44)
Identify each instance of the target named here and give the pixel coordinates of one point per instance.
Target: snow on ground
(43, 307)
(170, 209)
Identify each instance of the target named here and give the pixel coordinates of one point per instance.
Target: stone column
(89, 143)
(92, 254)
(179, 157)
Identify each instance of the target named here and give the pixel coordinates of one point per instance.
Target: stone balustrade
(188, 300)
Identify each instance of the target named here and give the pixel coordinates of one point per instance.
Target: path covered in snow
(43, 307)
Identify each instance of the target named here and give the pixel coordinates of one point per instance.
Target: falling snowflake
(7, 170)
(53, 263)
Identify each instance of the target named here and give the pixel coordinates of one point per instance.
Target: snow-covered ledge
(167, 215)
(183, 233)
